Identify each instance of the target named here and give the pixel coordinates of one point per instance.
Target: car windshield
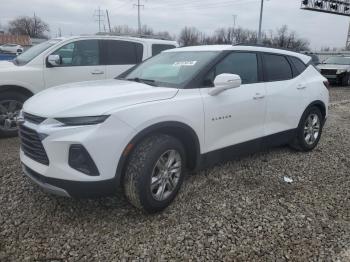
(171, 69)
(33, 52)
(338, 60)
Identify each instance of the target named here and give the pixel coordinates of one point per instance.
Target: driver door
(237, 115)
(80, 61)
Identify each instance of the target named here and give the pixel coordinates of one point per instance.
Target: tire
(346, 80)
(306, 138)
(143, 167)
(10, 105)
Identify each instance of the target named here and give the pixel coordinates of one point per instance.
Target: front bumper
(68, 188)
(334, 78)
(104, 142)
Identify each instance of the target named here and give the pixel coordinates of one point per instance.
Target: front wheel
(10, 105)
(154, 173)
(309, 130)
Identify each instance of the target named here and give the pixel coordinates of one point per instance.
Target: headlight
(82, 121)
(340, 71)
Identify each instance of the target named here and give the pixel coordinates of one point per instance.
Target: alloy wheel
(312, 129)
(9, 111)
(166, 175)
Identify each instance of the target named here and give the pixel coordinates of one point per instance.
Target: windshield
(171, 69)
(338, 60)
(34, 51)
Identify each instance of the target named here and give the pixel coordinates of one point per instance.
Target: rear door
(80, 61)
(285, 88)
(120, 55)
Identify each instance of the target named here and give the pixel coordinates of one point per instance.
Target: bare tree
(145, 30)
(190, 36)
(31, 26)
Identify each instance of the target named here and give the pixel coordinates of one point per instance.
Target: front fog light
(80, 160)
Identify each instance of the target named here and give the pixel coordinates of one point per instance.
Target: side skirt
(233, 152)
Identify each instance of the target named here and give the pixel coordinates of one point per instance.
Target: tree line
(189, 36)
(35, 27)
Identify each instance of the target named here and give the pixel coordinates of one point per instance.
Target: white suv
(184, 109)
(11, 48)
(65, 60)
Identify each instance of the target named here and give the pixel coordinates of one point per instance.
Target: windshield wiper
(142, 80)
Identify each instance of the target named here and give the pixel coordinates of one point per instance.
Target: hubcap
(9, 110)
(312, 129)
(166, 175)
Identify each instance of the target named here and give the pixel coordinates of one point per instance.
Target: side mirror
(224, 82)
(54, 60)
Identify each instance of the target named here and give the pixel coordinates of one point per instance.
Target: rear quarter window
(298, 64)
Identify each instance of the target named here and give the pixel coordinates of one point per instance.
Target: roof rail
(137, 35)
(261, 45)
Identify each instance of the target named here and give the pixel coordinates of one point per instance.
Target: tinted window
(243, 64)
(158, 48)
(80, 53)
(277, 68)
(300, 66)
(123, 52)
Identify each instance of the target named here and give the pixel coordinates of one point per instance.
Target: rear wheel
(309, 130)
(10, 105)
(154, 173)
(346, 80)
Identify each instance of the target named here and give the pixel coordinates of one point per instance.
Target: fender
(17, 85)
(321, 105)
(181, 131)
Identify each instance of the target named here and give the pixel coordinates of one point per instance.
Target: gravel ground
(241, 211)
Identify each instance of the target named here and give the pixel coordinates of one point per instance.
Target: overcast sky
(77, 16)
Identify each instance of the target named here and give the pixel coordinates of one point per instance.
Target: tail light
(326, 84)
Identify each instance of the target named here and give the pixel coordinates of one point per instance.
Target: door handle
(258, 96)
(301, 87)
(97, 72)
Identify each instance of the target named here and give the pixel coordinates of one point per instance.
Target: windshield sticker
(185, 63)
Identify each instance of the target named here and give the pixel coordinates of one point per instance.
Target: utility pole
(138, 5)
(260, 22)
(234, 20)
(99, 16)
(347, 45)
(109, 22)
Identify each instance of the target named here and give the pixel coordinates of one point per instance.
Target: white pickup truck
(65, 60)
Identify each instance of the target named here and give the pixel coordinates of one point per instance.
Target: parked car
(336, 69)
(185, 109)
(11, 48)
(65, 60)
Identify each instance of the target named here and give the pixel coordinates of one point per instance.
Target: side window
(80, 53)
(243, 64)
(300, 66)
(277, 68)
(158, 48)
(123, 52)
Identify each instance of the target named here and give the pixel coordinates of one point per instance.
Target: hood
(93, 98)
(6, 65)
(333, 66)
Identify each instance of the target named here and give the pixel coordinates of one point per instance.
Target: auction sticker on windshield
(185, 63)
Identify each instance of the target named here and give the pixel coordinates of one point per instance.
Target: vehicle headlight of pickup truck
(340, 71)
(82, 121)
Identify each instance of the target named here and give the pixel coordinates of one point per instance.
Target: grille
(33, 119)
(328, 72)
(32, 146)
